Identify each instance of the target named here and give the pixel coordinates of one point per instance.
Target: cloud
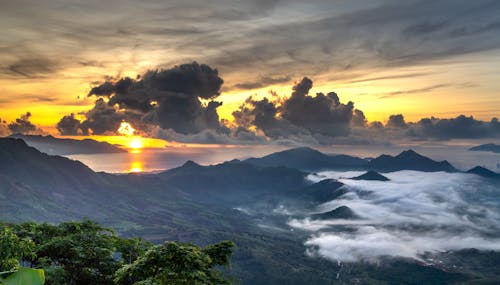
(414, 213)
(262, 82)
(396, 122)
(4, 129)
(414, 91)
(251, 38)
(321, 117)
(459, 127)
(70, 126)
(23, 125)
(32, 67)
(168, 98)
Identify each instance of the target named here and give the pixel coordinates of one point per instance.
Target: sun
(135, 143)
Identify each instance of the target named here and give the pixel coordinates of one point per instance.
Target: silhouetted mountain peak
(308, 159)
(64, 146)
(484, 172)
(342, 212)
(371, 175)
(410, 153)
(487, 147)
(409, 160)
(190, 164)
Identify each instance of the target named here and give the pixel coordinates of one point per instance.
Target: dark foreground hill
(197, 204)
(59, 146)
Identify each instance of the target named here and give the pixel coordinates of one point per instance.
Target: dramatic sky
(390, 61)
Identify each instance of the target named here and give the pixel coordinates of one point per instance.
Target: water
(156, 159)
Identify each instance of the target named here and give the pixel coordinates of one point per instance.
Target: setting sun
(136, 143)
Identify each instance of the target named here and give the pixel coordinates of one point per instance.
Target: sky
(97, 60)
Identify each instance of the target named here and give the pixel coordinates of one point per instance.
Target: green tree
(13, 249)
(178, 264)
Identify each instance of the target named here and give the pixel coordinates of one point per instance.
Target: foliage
(173, 263)
(13, 249)
(87, 253)
(23, 276)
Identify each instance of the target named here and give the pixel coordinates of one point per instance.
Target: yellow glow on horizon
(136, 143)
(136, 167)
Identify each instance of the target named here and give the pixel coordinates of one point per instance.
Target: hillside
(308, 159)
(408, 160)
(59, 146)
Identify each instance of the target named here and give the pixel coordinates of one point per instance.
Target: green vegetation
(87, 253)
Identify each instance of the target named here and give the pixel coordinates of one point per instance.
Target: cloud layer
(412, 214)
(180, 104)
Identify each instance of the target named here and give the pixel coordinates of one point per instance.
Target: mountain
(487, 147)
(371, 175)
(323, 191)
(195, 203)
(233, 181)
(308, 159)
(58, 146)
(342, 212)
(408, 160)
(484, 172)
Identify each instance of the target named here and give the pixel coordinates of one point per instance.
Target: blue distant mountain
(308, 159)
(484, 172)
(408, 160)
(487, 147)
(371, 175)
(59, 146)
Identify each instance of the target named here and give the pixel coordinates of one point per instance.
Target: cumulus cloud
(396, 122)
(23, 125)
(4, 129)
(413, 213)
(70, 126)
(459, 127)
(320, 118)
(181, 103)
(169, 98)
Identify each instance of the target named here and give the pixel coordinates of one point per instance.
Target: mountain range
(487, 147)
(235, 200)
(60, 146)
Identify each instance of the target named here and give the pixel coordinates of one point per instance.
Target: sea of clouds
(414, 213)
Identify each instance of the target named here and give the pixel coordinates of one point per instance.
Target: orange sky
(407, 60)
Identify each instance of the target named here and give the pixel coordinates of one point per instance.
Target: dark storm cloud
(459, 127)
(168, 98)
(319, 117)
(70, 126)
(321, 114)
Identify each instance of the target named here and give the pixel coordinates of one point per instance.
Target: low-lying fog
(413, 213)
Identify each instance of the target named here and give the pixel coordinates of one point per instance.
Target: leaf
(25, 276)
